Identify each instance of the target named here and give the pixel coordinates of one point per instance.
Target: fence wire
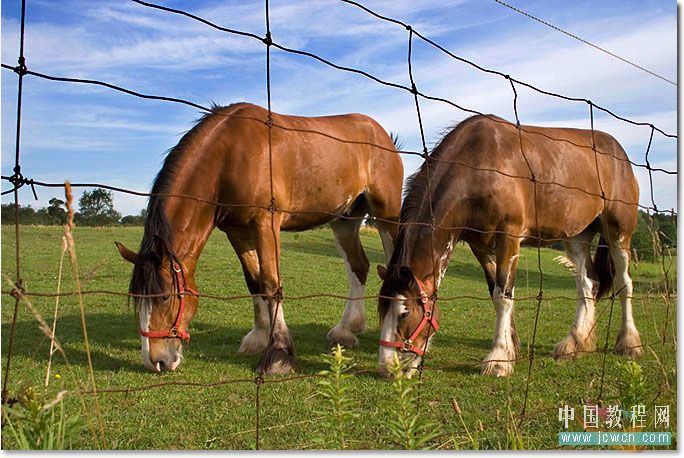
(18, 180)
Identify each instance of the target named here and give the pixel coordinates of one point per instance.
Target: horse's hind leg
(628, 341)
(500, 360)
(279, 357)
(582, 336)
(353, 319)
(256, 340)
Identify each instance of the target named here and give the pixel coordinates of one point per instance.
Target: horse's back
(548, 177)
(310, 163)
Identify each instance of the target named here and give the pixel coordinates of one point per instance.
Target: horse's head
(408, 319)
(165, 315)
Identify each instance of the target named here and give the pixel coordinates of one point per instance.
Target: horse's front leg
(256, 340)
(244, 244)
(279, 357)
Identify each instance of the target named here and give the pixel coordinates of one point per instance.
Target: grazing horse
(481, 180)
(323, 170)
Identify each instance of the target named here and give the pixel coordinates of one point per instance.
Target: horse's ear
(128, 255)
(382, 272)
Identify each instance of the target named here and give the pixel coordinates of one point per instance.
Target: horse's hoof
(277, 361)
(342, 336)
(629, 343)
(359, 327)
(254, 342)
(572, 347)
(497, 369)
(498, 363)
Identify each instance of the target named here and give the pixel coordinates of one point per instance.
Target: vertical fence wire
(540, 295)
(21, 71)
(435, 268)
(277, 294)
(610, 248)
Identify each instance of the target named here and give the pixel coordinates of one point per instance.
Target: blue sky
(90, 134)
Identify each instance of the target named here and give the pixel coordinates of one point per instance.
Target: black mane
(415, 207)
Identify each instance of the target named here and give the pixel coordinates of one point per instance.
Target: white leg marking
(582, 336)
(354, 316)
(256, 340)
(629, 341)
(585, 320)
(500, 360)
(623, 283)
(279, 324)
(510, 268)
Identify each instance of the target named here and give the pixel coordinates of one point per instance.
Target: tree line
(96, 208)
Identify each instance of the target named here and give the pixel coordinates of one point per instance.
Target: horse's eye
(165, 299)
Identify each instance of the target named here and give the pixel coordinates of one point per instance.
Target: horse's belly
(318, 215)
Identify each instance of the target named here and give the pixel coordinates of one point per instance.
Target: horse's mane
(157, 238)
(415, 207)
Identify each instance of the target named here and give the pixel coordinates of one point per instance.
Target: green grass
(223, 417)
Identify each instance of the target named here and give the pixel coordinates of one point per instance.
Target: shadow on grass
(468, 271)
(327, 248)
(115, 346)
(113, 334)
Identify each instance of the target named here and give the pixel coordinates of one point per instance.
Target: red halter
(407, 345)
(175, 331)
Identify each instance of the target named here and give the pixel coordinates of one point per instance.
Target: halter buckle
(427, 314)
(407, 345)
(176, 267)
(174, 332)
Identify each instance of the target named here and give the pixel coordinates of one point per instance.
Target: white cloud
(167, 54)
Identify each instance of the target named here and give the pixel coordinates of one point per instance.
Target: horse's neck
(191, 224)
(430, 254)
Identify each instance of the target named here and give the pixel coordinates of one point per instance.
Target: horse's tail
(603, 267)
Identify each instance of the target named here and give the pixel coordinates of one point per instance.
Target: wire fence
(18, 180)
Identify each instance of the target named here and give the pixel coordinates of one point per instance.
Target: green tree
(663, 225)
(57, 211)
(97, 209)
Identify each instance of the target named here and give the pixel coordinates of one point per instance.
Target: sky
(91, 134)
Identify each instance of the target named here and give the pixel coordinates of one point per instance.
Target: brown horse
(481, 180)
(332, 169)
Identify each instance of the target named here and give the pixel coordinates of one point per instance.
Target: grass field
(223, 417)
